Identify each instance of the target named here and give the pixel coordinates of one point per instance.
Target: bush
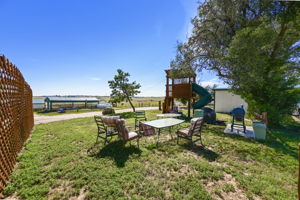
(108, 111)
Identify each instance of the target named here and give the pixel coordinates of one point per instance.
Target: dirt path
(42, 119)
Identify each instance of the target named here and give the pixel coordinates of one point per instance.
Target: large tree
(253, 46)
(122, 89)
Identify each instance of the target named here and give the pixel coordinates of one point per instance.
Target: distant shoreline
(40, 97)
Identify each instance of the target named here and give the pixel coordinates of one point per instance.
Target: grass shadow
(276, 138)
(202, 151)
(46, 111)
(117, 151)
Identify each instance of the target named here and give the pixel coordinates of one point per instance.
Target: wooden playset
(184, 87)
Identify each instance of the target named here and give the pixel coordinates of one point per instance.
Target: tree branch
(284, 28)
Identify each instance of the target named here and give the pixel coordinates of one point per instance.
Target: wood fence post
(159, 105)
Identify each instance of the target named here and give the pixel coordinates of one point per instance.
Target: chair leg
(191, 139)
(232, 124)
(170, 132)
(201, 140)
(105, 140)
(97, 139)
(177, 139)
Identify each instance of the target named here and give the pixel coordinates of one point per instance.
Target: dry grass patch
(81, 196)
(53, 162)
(225, 188)
(63, 188)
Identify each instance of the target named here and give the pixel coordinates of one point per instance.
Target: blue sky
(73, 47)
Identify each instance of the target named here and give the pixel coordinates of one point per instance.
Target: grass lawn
(84, 110)
(55, 165)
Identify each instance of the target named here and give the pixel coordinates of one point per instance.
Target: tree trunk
(128, 98)
(133, 108)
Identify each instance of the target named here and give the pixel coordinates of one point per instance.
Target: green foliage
(267, 85)
(183, 101)
(107, 111)
(122, 89)
(253, 46)
(210, 89)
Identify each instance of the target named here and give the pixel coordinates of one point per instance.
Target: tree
(253, 46)
(122, 89)
(211, 89)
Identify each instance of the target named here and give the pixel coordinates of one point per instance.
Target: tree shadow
(278, 139)
(117, 151)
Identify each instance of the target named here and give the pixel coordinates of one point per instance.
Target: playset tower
(179, 87)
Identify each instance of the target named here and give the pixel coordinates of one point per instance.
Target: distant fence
(16, 117)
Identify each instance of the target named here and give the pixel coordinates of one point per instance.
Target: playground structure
(184, 87)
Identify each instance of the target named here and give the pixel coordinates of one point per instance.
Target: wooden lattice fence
(16, 117)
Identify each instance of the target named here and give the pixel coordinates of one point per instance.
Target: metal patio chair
(104, 132)
(138, 117)
(193, 131)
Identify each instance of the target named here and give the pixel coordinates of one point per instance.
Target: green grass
(84, 110)
(55, 165)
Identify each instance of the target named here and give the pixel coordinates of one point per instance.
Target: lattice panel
(16, 117)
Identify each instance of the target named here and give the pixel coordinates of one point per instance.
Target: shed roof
(72, 99)
(36, 101)
(222, 89)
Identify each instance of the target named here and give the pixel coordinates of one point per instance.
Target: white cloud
(190, 9)
(95, 78)
(213, 81)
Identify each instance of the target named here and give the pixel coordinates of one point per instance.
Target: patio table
(163, 123)
(168, 115)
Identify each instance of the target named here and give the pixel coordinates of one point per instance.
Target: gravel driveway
(42, 119)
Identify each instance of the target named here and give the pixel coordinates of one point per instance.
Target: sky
(73, 47)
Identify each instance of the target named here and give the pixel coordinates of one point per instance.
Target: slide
(206, 96)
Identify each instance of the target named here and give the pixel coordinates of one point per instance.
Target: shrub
(108, 111)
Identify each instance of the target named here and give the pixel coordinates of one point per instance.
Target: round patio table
(168, 115)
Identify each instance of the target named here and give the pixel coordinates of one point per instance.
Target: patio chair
(103, 131)
(193, 131)
(146, 130)
(124, 133)
(138, 117)
(110, 122)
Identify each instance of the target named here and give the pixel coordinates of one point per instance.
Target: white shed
(38, 104)
(225, 101)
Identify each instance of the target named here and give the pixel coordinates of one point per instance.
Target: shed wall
(38, 105)
(225, 101)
